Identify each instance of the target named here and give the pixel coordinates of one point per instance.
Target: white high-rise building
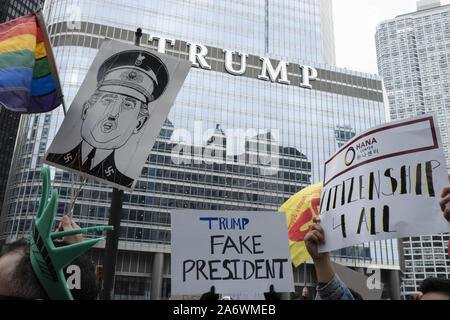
(413, 53)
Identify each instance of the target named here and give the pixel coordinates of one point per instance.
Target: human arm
(330, 287)
(445, 202)
(322, 263)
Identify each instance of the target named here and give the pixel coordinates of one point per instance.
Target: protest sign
(185, 297)
(245, 296)
(384, 184)
(237, 252)
(117, 114)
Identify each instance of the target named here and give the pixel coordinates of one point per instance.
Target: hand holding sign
(445, 207)
(313, 238)
(67, 224)
(322, 263)
(445, 202)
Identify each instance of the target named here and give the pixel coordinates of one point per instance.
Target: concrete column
(394, 283)
(157, 276)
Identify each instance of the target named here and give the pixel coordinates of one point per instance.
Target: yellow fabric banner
(23, 42)
(300, 210)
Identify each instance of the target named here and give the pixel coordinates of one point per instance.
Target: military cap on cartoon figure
(119, 108)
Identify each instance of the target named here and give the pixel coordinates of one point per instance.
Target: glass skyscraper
(12, 9)
(301, 126)
(414, 61)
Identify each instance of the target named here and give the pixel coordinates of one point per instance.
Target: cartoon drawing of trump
(127, 83)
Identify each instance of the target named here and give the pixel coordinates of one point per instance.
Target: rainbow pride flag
(27, 84)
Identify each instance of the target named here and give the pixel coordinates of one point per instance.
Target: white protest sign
(245, 296)
(237, 252)
(385, 183)
(117, 114)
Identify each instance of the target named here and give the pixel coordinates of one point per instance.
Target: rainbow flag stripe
(26, 81)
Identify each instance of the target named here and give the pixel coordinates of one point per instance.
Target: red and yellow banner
(300, 210)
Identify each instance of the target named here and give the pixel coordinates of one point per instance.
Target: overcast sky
(355, 24)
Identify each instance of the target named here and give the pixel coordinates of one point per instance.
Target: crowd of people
(18, 281)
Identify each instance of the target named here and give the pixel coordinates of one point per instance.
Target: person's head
(110, 119)
(435, 289)
(305, 291)
(18, 280)
(127, 83)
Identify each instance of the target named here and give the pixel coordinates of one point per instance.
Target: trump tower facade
(262, 70)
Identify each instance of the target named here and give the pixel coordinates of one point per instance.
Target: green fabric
(22, 58)
(41, 68)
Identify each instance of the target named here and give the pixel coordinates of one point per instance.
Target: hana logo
(349, 156)
(367, 143)
(365, 147)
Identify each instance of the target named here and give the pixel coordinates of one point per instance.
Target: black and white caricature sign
(117, 114)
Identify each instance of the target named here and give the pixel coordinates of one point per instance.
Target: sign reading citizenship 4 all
(235, 251)
(384, 184)
(117, 114)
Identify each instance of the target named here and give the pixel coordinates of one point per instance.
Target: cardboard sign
(385, 183)
(237, 252)
(117, 114)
